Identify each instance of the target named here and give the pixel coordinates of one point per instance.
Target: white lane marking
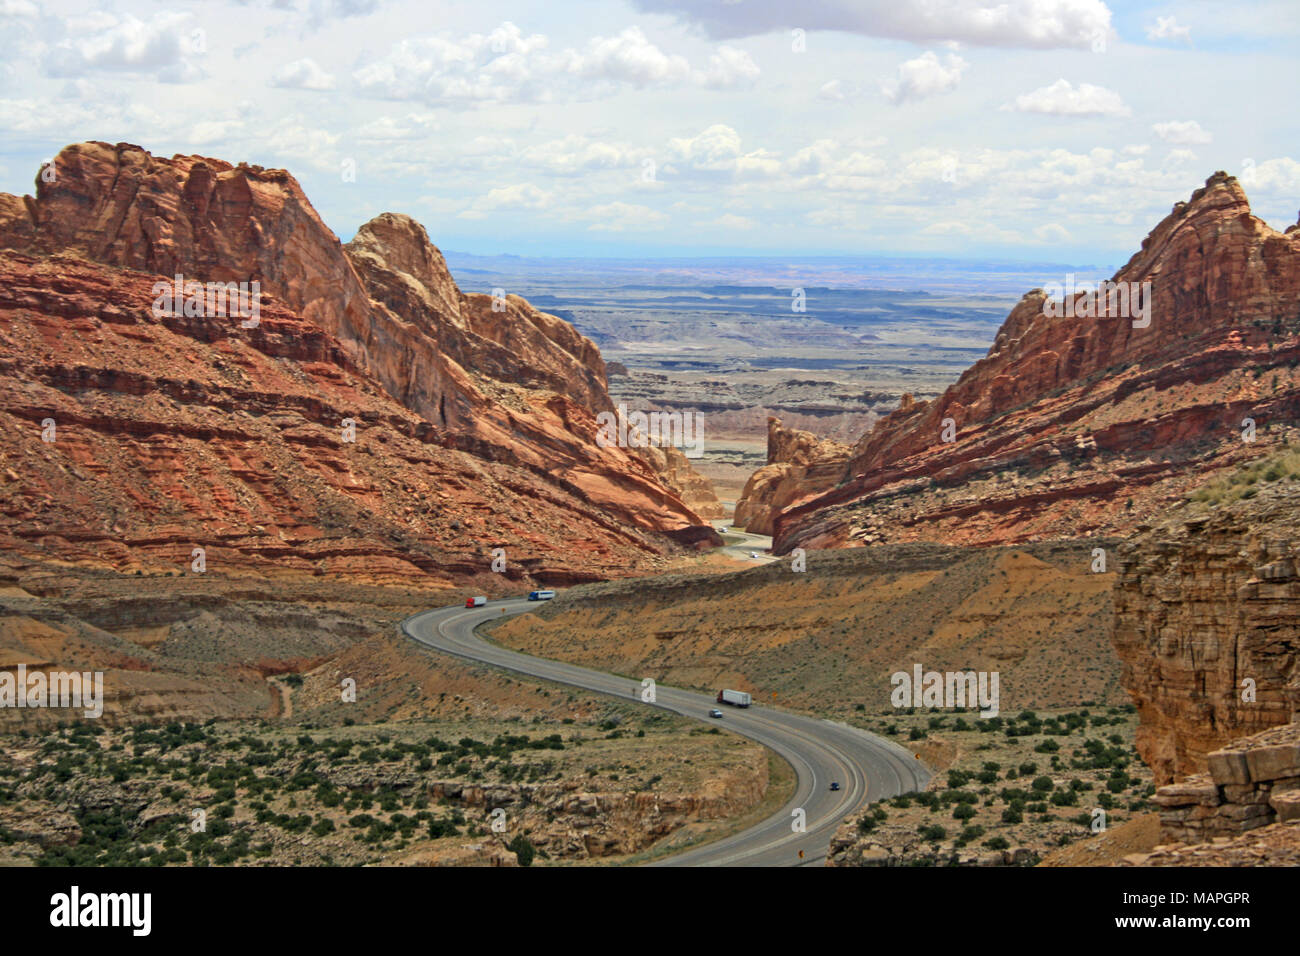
(880, 750)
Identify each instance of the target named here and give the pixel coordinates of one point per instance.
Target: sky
(1035, 130)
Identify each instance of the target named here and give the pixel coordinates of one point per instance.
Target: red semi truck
(736, 698)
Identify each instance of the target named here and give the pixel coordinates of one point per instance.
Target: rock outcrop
(475, 417)
(172, 433)
(1252, 783)
(1207, 626)
(799, 464)
(1075, 424)
(696, 491)
(1277, 844)
(573, 823)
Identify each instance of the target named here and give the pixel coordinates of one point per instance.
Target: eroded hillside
(829, 638)
(473, 419)
(1083, 423)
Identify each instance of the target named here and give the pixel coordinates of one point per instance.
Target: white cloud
(211, 132)
(387, 129)
(729, 68)
(322, 12)
(577, 154)
(1063, 98)
(53, 119)
(1051, 232)
(732, 221)
(495, 67)
(1280, 175)
(1168, 28)
(515, 196)
(717, 147)
(166, 47)
(302, 74)
(924, 76)
(295, 140)
(833, 91)
(507, 67)
(1042, 24)
(17, 8)
(627, 58)
(812, 159)
(521, 196)
(948, 227)
(1182, 133)
(624, 217)
(716, 152)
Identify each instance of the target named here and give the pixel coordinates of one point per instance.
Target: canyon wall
(1207, 626)
(170, 433)
(478, 415)
(799, 464)
(1078, 424)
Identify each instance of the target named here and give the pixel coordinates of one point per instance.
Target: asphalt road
(867, 768)
(744, 546)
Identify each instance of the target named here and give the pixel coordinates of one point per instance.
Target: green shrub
(523, 850)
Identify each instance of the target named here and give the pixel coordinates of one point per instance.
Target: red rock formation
(799, 465)
(1074, 425)
(1251, 783)
(696, 491)
(1204, 602)
(175, 432)
(512, 390)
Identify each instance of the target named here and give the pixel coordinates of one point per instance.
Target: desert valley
(230, 522)
(459, 461)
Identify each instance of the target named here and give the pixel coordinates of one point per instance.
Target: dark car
(835, 785)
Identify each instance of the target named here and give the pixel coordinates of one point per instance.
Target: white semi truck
(736, 698)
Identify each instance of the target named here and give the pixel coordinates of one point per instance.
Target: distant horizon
(541, 278)
(709, 256)
(1035, 132)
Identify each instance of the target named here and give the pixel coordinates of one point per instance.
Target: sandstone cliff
(1080, 425)
(171, 433)
(476, 415)
(1207, 624)
(696, 491)
(1253, 784)
(799, 464)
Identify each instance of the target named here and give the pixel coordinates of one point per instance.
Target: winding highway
(866, 767)
(743, 546)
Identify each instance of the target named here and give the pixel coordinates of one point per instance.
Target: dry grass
(1245, 482)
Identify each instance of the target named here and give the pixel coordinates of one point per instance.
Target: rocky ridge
(1081, 425)
(799, 464)
(473, 412)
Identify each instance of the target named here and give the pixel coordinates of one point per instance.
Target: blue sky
(1058, 130)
